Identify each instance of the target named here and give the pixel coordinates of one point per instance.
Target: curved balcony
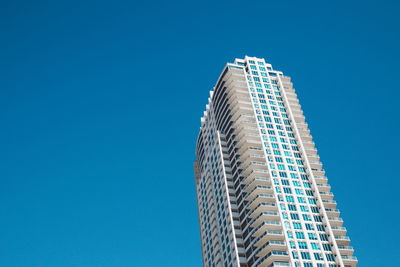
(293, 101)
(340, 231)
(265, 216)
(329, 204)
(315, 164)
(324, 188)
(266, 226)
(244, 133)
(320, 179)
(251, 154)
(245, 144)
(307, 138)
(263, 207)
(346, 250)
(342, 240)
(256, 173)
(318, 172)
(273, 256)
(349, 260)
(308, 146)
(261, 217)
(260, 198)
(335, 222)
(326, 195)
(270, 246)
(268, 236)
(257, 182)
(254, 165)
(259, 189)
(332, 212)
(236, 108)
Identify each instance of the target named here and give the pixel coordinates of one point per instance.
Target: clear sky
(100, 106)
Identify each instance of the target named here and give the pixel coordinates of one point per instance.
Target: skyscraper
(263, 197)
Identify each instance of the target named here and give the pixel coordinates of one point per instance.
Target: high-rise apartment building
(263, 197)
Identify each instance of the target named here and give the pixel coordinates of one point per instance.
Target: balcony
(265, 216)
(314, 159)
(256, 173)
(235, 95)
(247, 141)
(332, 212)
(242, 132)
(293, 101)
(342, 240)
(270, 246)
(335, 222)
(315, 164)
(311, 151)
(237, 108)
(324, 187)
(349, 260)
(251, 154)
(263, 207)
(242, 120)
(268, 236)
(308, 145)
(260, 198)
(302, 126)
(291, 95)
(346, 250)
(299, 119)
(260, 231)
(326, 196)
(236, 103)
(297, 112)
(339, 230)
(244, 145)
(237, 113)
(257, 182)
(307, 138)
(318, 172)
(320, 179)
(274, 256)
(254, 165)
(303, 131)
(234, 79)
(329, 204)
(259, 189)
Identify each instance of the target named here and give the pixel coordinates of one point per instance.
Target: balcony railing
(346, 247)
(351, 258)
(342, 238)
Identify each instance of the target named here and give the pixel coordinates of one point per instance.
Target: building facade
(263, 197)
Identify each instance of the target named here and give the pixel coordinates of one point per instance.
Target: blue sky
(100, 105)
